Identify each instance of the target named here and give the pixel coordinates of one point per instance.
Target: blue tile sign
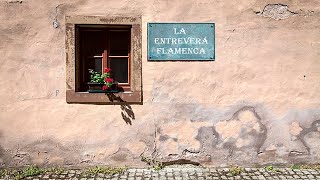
(181, 41)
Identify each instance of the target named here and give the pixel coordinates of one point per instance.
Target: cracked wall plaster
(276, 11)
(243, 135)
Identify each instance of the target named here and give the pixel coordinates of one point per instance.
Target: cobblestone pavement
(190, 173)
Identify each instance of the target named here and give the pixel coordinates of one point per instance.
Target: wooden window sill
(133, 97)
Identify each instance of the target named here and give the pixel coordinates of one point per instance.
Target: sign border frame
(214, 42)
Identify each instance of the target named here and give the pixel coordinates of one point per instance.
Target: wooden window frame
(125, 86)
(105, 56)
(133, 94)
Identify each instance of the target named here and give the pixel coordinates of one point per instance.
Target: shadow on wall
(126, 110)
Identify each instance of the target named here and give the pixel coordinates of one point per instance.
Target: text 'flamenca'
(181, 51)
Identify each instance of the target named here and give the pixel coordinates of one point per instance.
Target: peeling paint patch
(87, 158)
(242, 129)
(172, 141)
(295, 128)
(276, 11)
(208, 138)
(310, 137)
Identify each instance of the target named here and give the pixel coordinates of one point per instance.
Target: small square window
(96, 43)
(100, 47)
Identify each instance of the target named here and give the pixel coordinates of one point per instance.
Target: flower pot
(97, 88)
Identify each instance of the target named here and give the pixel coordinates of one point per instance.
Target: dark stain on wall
(15, 2)
(259, 137)
(180, 161)
(208, 137)
(163, 137)
(314, 128)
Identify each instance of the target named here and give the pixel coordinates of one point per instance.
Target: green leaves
(104, 170)
(236, 170)
(271, 168)
(157, 165)
(28, 171)
(98, 77)
(31, 171)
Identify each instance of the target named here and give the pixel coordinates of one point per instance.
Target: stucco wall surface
(257, 103)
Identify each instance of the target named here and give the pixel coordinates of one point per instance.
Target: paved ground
(190, 173)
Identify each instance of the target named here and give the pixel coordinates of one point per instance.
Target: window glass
(98, 65)
(119, 42)
(119, 68)
(92, 42)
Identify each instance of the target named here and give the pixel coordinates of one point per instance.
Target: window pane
(95, 64)
(93, 43)
(98, 65)
(119, 68)
(119, 42)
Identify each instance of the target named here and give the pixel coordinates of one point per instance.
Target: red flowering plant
(102, 78)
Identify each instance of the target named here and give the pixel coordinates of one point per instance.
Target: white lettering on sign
(187, 40)
(180, 41)
(181, 51)
(181, 31)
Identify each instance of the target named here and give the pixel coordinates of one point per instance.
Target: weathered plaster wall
(258, 103)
